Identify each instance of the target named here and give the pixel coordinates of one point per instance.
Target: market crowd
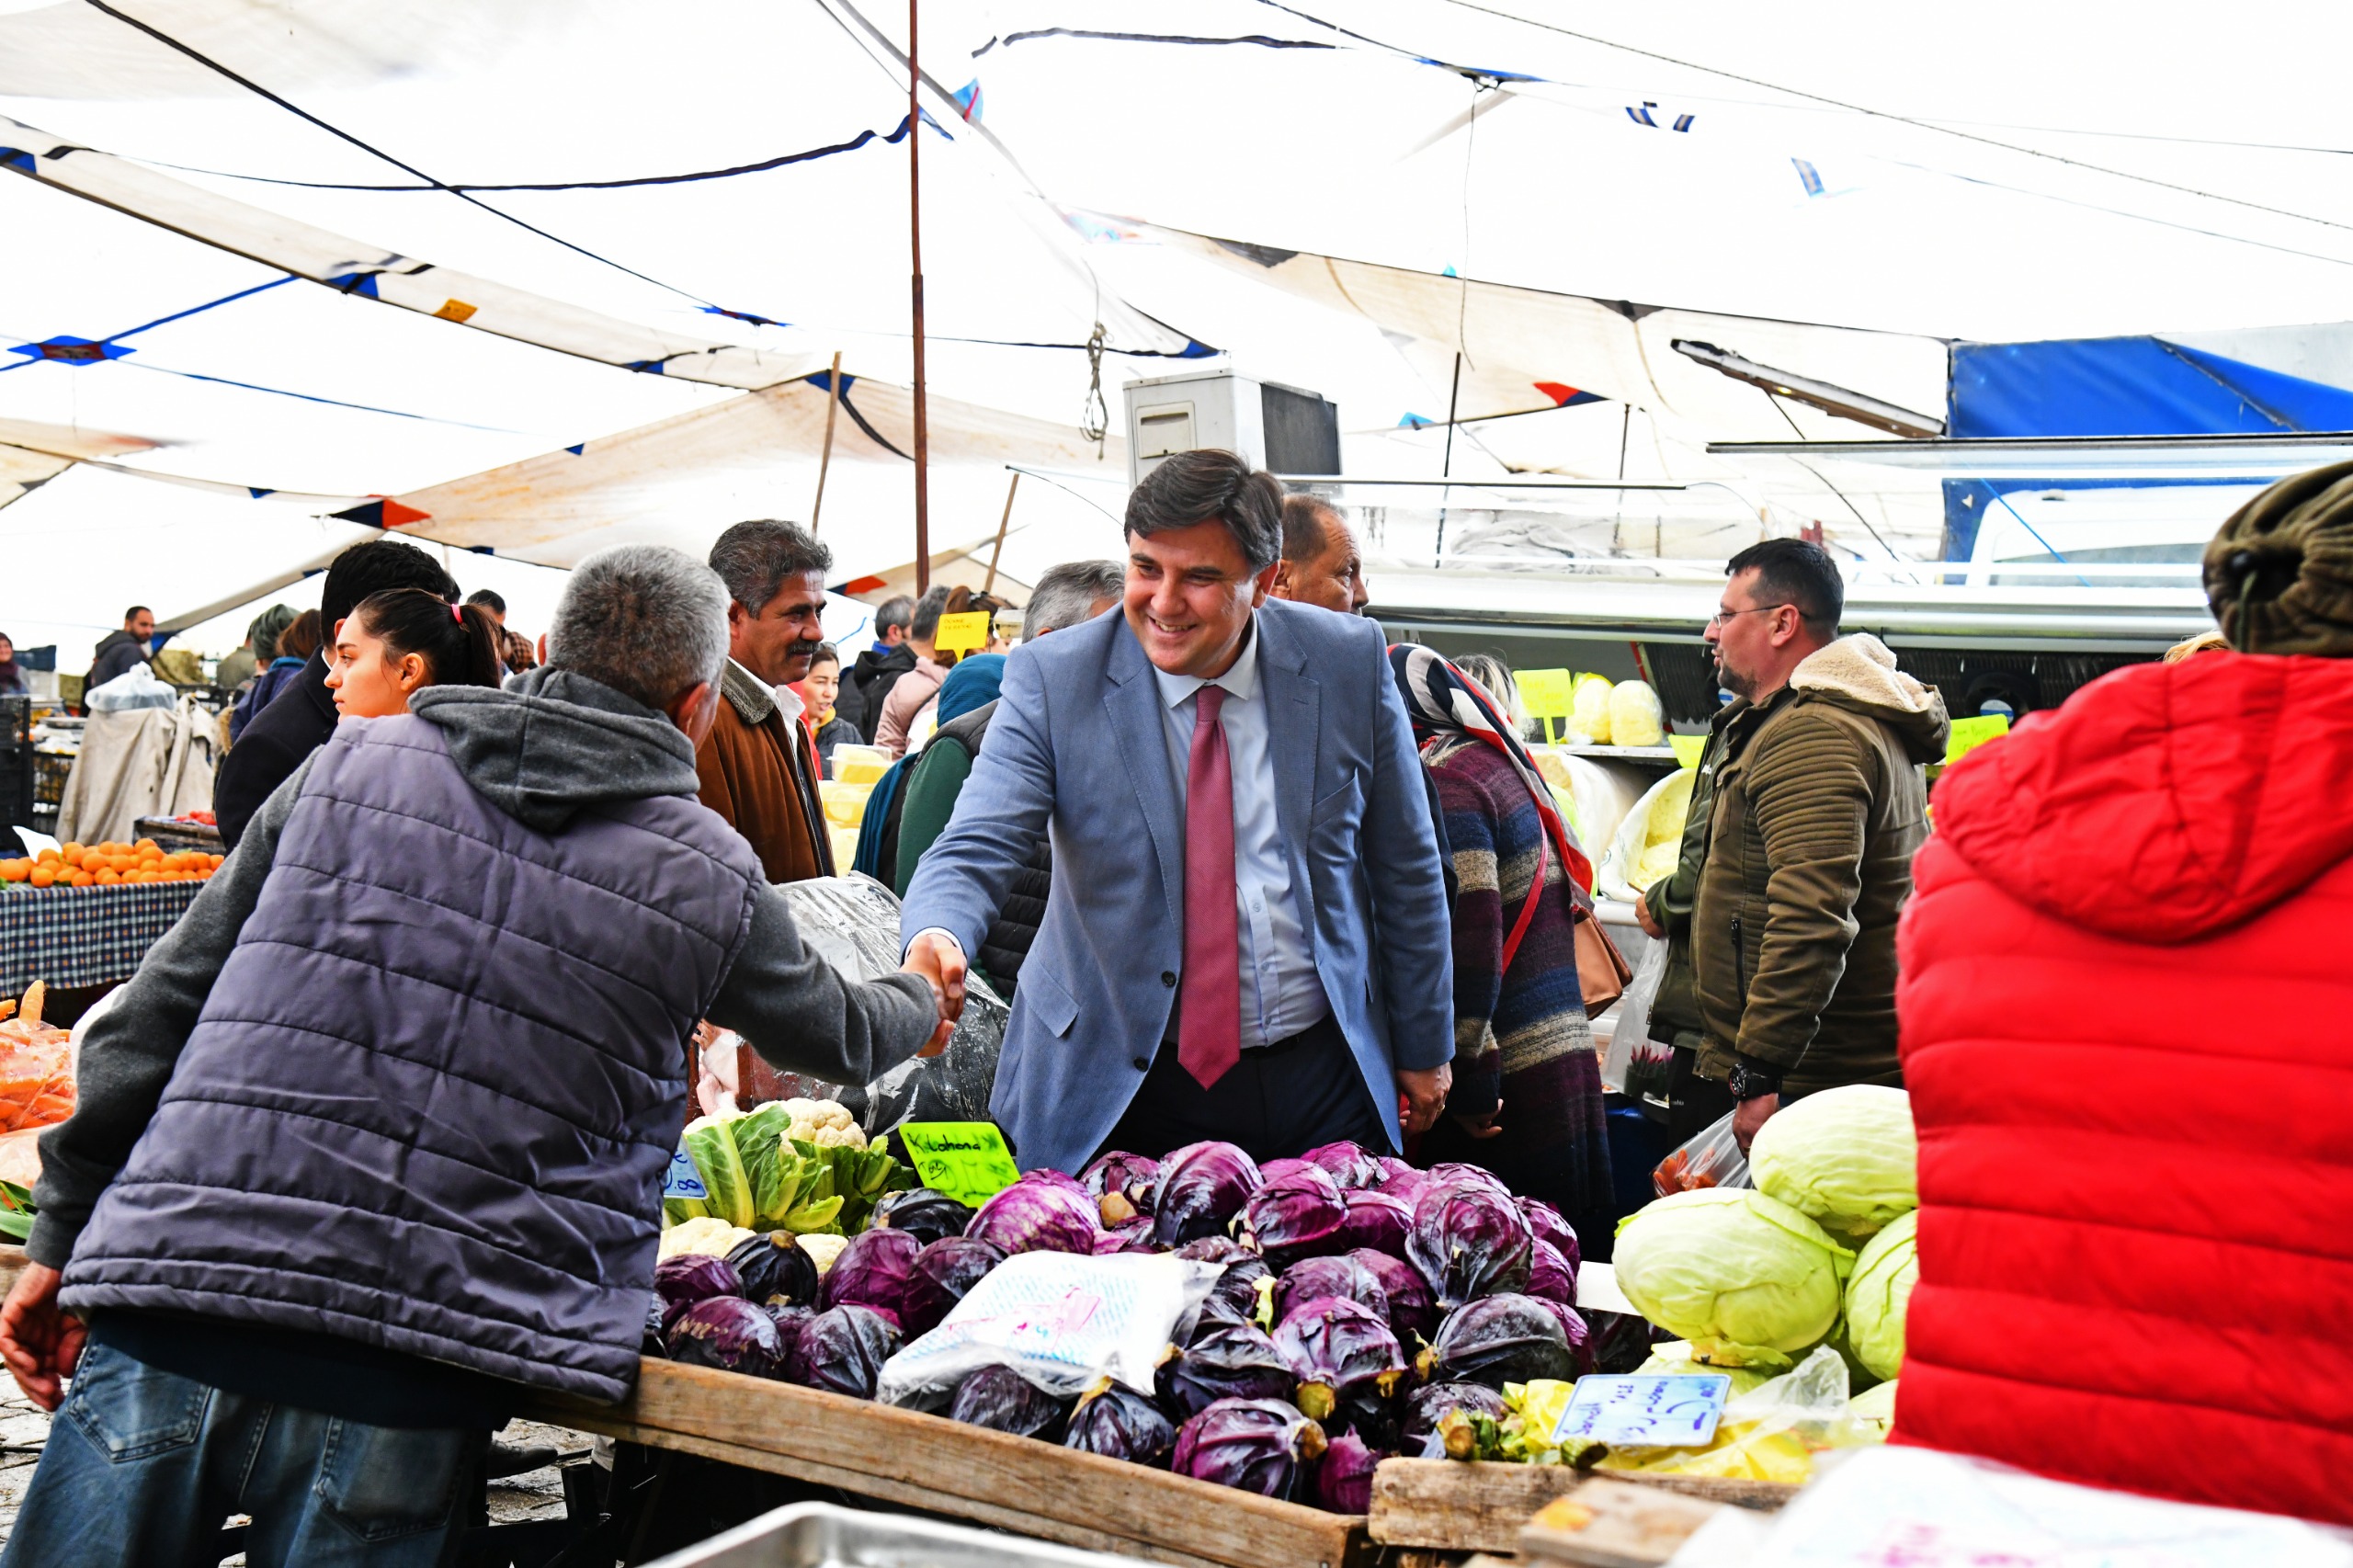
(1247, 873)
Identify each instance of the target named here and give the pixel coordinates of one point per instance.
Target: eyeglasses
(1724, 614)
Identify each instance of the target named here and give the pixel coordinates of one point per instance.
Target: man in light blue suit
(1248, 937)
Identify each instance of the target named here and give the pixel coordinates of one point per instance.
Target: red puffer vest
(2127, 1016)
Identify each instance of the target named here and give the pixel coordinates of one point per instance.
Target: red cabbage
(1237, 1362)
(1270, 1169)
(1426, 1404)
(1348, 1166)
(938, 1279)
(1374, 1220)
(1549, 1275)
(1044, 1211)
(1256, 1445)
(679, 1282)
(1575, 1330)
(1343, 1354)
(1469, 1240)
(1449, 1173)
(1202, 1187)
(1547, 1224)
(1403, 1182)
(1121, 1423)
(1501, 1339)
(842, 1351)
(1338, 1276)
(1293, 1214)
(1412, 1311)
(1001, 1399)
(927, 1214)
(728, 1333)
(1344, 1481)
(1121, 1185)
(775, 1270)
(1128, 1235)
(871, 1271)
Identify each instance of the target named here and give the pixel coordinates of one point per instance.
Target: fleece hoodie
(407, 1074)
(2128, 1034)
(1818, 808)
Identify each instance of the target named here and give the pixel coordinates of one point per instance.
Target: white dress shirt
(1281, 994)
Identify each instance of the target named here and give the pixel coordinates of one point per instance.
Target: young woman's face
(369, 681)
(7, 649)
(823, 684)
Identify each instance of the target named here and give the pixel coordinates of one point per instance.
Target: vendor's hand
(1423, 1096)
(39, 1339)
(1484, 1126)
(1650, 927)
(1750, 1115)
(940, 962)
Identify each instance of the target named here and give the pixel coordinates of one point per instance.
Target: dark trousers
(1275, 1103)
(1694, 1104)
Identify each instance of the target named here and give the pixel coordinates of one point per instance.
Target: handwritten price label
(1678, 1410)
(966, 1160)
(1968, 734)
(963, 633)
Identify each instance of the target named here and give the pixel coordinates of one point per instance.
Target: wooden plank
(951, 1468)
(1480, 1506)
(1608, 1524)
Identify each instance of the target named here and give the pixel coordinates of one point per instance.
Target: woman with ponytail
(403, 639)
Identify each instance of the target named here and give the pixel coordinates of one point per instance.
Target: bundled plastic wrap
(1635, 717)
(1649, 840)
(854, 922)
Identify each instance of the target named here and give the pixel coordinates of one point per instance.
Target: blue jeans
(144, 1467)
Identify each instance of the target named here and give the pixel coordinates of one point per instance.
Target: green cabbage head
(1878, 1294)
(1845, 1158)
(1743, 1277)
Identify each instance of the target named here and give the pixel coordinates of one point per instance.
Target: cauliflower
(825, 1123)
(822, 1250)
(708, 1234)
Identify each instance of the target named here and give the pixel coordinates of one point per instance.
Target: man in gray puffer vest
(374, 1139)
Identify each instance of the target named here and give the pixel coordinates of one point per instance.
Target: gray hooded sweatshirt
(408, 1073)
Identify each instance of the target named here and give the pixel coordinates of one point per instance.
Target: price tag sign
(1688, 749)
(1678, 1410)
(966, 1160)
(682, 1180)
(1548, 694)
(963, 633)
(1968, 734)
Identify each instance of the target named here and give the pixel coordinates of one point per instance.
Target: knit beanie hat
(2280, 574)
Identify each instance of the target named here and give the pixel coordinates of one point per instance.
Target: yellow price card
(966, 1160)
(1688, 749)
(963, 632)
(1968, 734)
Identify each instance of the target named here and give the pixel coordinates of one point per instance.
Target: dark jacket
(117, 652)
(1674, 1012)
(273, 746)
(930, 793)
(410, 1070)
(1819, 807)
(759, 773)
(837, 731)
(280, 673)
(868, 682)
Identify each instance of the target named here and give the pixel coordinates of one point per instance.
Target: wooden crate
(945, 1467)
(1481, 1507)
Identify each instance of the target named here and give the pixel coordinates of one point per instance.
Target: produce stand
(81, 936)
(944, 1467)
(179, 833)
(1452, 1506)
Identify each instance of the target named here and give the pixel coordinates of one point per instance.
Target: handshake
(935, 956)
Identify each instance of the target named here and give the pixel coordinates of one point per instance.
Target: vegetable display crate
(945, 1467)
(1450, 1505)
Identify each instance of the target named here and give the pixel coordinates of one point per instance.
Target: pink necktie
(1209, 1022)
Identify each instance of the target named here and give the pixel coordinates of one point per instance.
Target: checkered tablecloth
(85, 935)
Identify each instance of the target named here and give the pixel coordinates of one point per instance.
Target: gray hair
(928, 611)
(1067, 594)
(895, 611)
(1494, 678)
(645, 620)
(753, 559)
(1307, 525)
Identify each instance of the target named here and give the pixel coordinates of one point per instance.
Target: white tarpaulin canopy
(1436, 204)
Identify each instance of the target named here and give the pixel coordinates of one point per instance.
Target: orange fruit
(109, 877)
(43, 876)
(84, 879)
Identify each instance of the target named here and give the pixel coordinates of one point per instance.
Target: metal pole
(914, 252)
(825, 457)
(1002, 524)
(1446, 470)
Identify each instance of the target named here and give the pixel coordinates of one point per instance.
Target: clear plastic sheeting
(854, 922)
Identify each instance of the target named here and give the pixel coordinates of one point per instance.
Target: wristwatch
(1746, 1081)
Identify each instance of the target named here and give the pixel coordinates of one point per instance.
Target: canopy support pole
(914, 252)
(1002, 524)
(825, 456)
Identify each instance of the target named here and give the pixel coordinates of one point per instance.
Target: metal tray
(820, 1535)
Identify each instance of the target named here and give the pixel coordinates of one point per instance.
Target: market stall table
(82, 937)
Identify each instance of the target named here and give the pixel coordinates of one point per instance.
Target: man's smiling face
(1190, 594)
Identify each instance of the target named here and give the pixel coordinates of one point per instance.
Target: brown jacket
(757, 771)
(1820, 805)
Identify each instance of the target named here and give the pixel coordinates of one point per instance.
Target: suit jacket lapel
(1294, 711)
(1133, 703)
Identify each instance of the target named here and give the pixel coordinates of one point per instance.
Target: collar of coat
(751, 697)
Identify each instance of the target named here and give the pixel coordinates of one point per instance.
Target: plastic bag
(1770, 1433)
(1649, 842)
(1636, 719)
(135, 687)
(1711, 1159)
(1061, 1320)
(1635, 1063)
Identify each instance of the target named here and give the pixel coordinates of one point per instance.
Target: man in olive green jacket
(1665, 914)
(1819, 805)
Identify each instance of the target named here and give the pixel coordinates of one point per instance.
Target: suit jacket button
(1168, 978)
(1143, 1064)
